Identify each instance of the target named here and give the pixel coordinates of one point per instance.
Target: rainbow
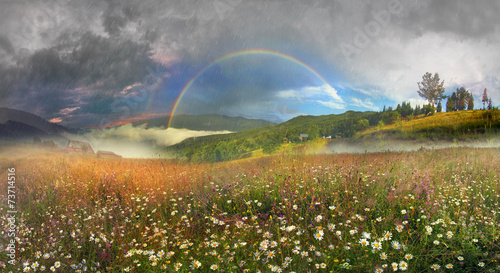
(236, 54)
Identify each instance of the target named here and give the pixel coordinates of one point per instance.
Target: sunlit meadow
(425, 211)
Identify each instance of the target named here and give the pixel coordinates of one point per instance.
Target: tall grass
(364, 213)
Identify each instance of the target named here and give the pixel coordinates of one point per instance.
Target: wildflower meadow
(423, 211)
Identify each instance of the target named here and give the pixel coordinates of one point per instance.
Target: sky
(90, 63)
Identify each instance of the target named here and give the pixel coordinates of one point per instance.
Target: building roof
(79, 145)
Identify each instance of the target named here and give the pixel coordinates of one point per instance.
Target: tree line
(432, 89)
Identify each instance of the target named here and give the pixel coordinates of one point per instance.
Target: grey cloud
(9, 80)
(106, 45)
(6, 45)
(117, 15)
(151, 35)
(468, 19)
(113, 24)
(91, 59)
(101, 65)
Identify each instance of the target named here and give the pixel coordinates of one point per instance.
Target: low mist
(139, 141)
(394, 145)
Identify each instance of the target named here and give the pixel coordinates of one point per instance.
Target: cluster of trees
(460, 100)
(432, 89)
(406, 110)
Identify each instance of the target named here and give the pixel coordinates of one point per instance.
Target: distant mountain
(13, 129)
(16, 125)
(32, 120)
(206, 123)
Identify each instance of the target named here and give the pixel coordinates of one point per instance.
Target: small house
(79, 147)
(302, 136)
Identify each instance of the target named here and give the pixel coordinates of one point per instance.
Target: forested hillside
(349, 125)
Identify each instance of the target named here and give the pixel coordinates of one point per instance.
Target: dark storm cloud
(9, 80)
(84, 53)
(89, 59)
(118, 15)
(6, 45)
(87, 52)
(101, 64)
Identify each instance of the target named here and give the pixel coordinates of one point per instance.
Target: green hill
(460, 125)
(350, 126)
(269, 138)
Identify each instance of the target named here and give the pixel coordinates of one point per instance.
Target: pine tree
(449, 105)
(485, 98)
(439, 107)
(416, 112)
(406, 109)
(490, 105)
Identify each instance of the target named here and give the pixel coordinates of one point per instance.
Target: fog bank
(138, 142)
(394, 145)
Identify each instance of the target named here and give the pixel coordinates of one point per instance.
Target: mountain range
(21, 126)
(17, 125)
(210, 122)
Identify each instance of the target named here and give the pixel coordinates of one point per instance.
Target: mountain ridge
(207, 122)
(32, 120)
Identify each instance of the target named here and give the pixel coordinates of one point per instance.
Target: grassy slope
(447, 126)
